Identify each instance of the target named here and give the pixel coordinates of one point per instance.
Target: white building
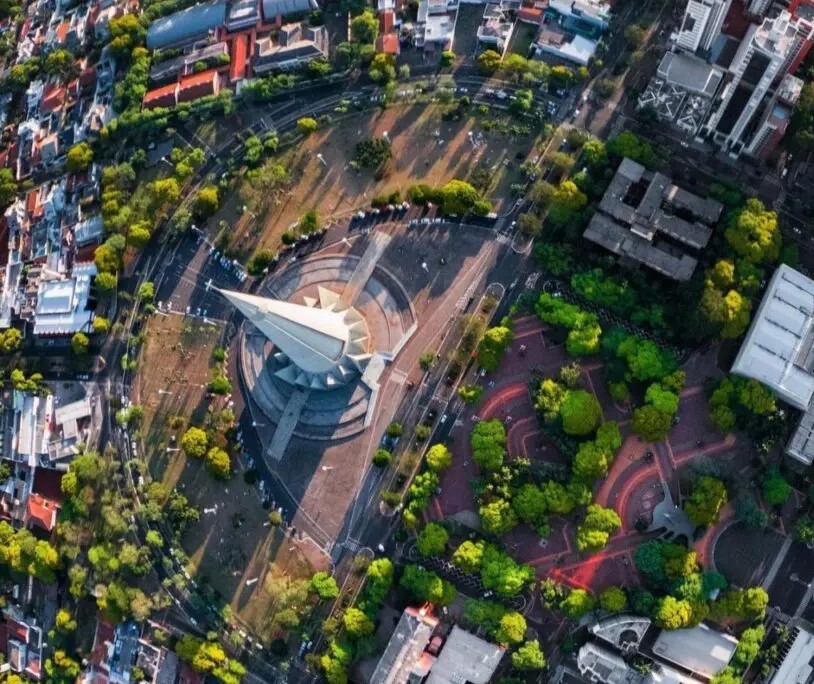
(764, 56)
(62, 304)
(796, 666)
(779, 351)
(702, 23)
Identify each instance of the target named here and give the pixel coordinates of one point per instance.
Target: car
(425, 221)
(438, 219)
(501, 94)
(444, 419)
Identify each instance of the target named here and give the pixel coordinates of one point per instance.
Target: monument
(316, 340)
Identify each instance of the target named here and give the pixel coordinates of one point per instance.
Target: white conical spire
(312, 338)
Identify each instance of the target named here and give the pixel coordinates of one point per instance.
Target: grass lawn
(425, 148)
(232, 543)
(521, 39)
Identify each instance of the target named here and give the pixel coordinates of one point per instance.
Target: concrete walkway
(288, 423)
(356, 283)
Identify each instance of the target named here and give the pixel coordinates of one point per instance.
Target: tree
(60, 62)
(382, 68)
(580, 413)
(468, 557)
(672, 613)
(613, 600)
(484, 614)
(219, 463)
(65, 623)
(432, 541)
(804, 531)
(489, 61)
(501, 573)
(592, 461)
(577, 603)
(663, 399)
(364, 28)
(357, 624)
(566, 203)
(651, 424)
(594, 153)
(488, 444)
(458, 197)
(731, 311)
(470, 394)
(708, 498)
(324, 586)
(628, 144)
(635, 35)
(439, 458)
(492, 347)
(427, 360)
(138, 236)
(8, 187)
(529, 504)
(382, 458)
(597, 527)
(549, 398)
(194, 442)
(754, 233)
(307, 125)
(425, 585)
(106, 282)
(80, 344)
(776, 491)
(497, 517)
(79, 157)
(529, 656)
(511, 628)
(207, 202)
(146, 292)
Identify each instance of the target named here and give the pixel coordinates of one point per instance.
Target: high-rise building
(702, 23)
(758, 8)
(776, 118)
(766, 54)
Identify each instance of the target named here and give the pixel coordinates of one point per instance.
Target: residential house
(296, 45)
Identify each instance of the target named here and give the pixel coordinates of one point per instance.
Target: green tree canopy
(493, 345)
(651, 424)
(425, 585)
(324, 586)
(577, 603)
(597, 527)
(613, 600)
(580, 413)
(511, 628)
(754, 233)
(195, 442)
(489, 444)
(708, 498)
(529, 656)
(432, 541)
(364, 28)
(439, 458)
(497, 517)
(79, 157)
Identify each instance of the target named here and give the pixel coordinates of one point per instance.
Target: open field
(425, 148)
(232, 543)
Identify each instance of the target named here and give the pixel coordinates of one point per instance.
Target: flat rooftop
(700, 650)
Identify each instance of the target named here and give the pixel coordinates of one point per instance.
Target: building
(406, 647)
(414, 654)
(62, 305)
(571, 31)
(436, 24)
(647, 220)
(465, 657)
(682, 91)
(701, 24)
(776, 118)
(321, 345)
(24, 644)
(699, 651)
(766, 54)
(187, 26)
(778, 351)
(296, 45)
(796, 667)
(496, 27)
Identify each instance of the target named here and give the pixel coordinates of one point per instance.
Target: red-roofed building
(62, 32)
(41, 512)
(165, 96)
(53, 99)
(387, 20)
(531, 15)
(388, 43)
(200, 85)
(240, 52)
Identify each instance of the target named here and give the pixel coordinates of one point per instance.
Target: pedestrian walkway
(288, 423)
(356, 283)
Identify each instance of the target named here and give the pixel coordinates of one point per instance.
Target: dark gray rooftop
(186, 25)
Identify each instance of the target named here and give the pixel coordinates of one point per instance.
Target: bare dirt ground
(232, 543)
(426, 149)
